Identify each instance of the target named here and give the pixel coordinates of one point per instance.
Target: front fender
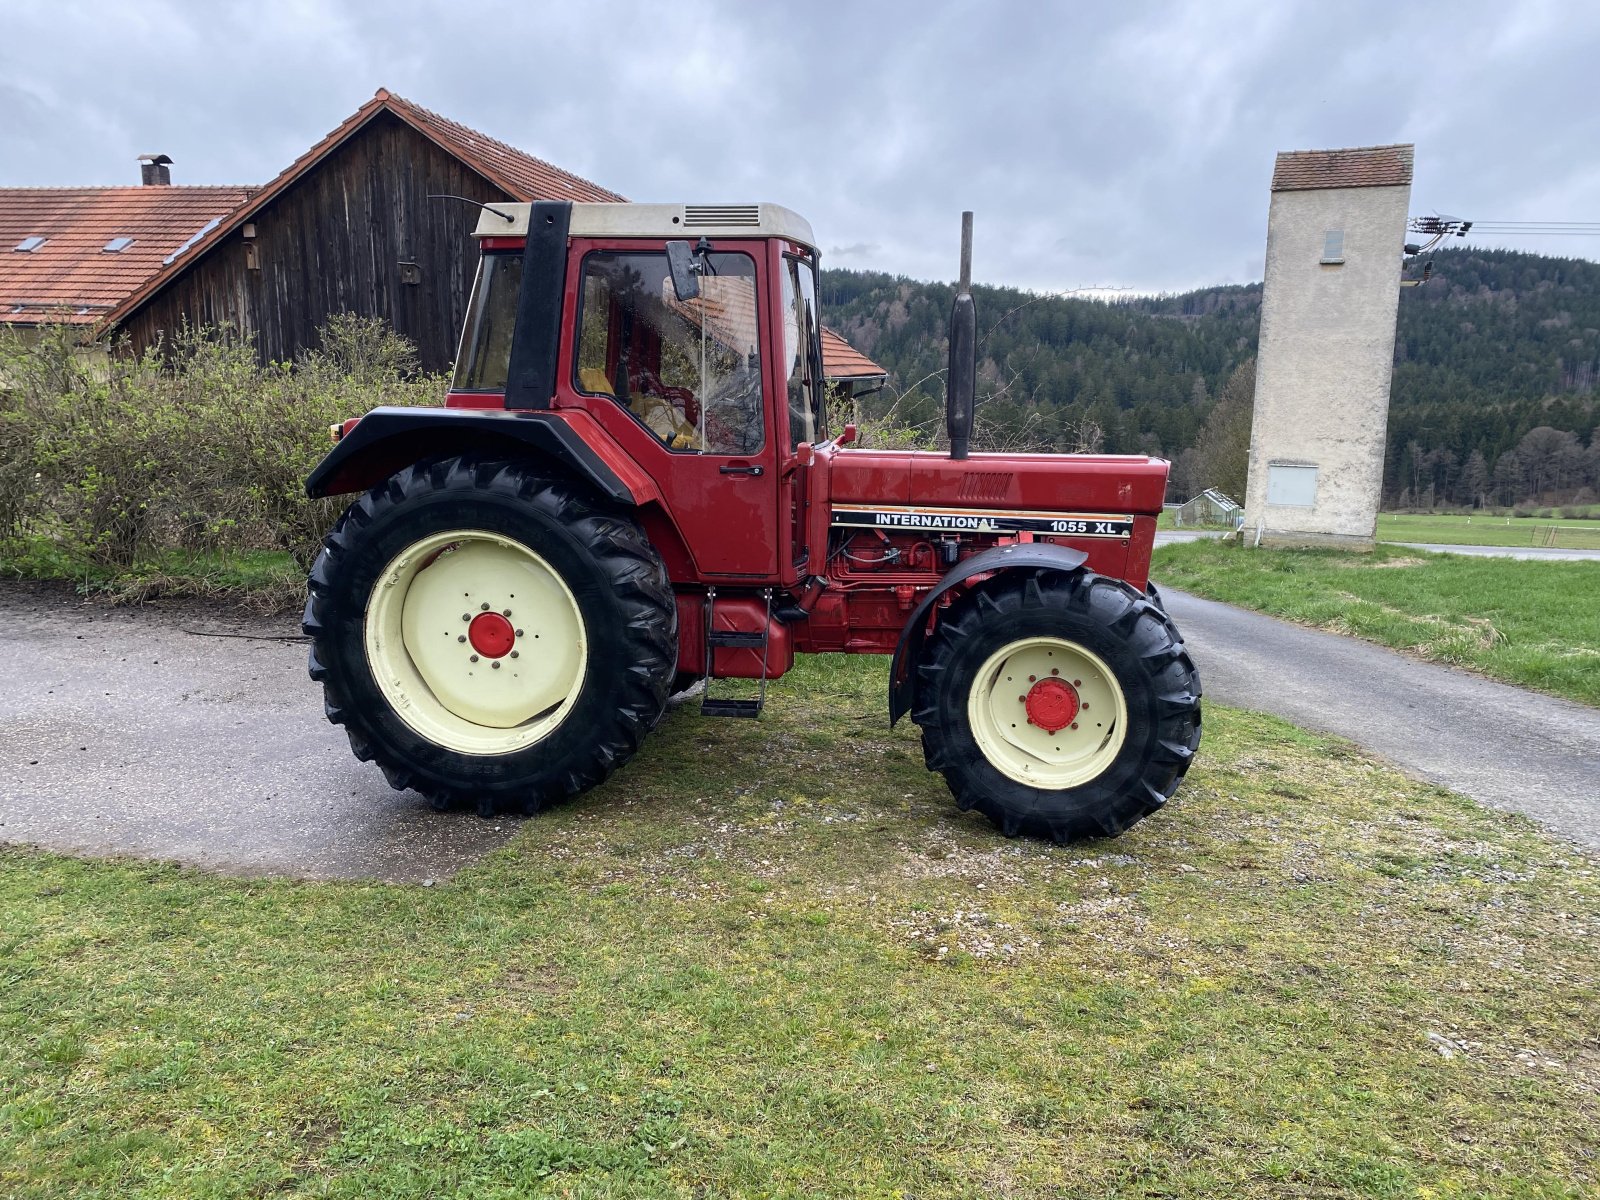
(907, 652)
(387, 440)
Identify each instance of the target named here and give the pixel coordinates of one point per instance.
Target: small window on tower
(1293, 485)
(1333, 246)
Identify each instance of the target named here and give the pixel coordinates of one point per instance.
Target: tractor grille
(985, 485)
(704, 215)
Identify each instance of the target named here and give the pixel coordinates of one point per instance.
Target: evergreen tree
(1222, 450)
(1496, 346)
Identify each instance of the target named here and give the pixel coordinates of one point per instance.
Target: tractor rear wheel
(488, 635)
(1059, 705)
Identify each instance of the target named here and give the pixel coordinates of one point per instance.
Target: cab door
(683, 387)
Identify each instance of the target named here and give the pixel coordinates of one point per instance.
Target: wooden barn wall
(333, 243)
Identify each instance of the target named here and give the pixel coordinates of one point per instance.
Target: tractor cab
(709, 381)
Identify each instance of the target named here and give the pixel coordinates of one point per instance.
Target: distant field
(1534, 624)
(1453, 530)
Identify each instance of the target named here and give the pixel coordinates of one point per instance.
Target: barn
(375, 219)
(358, 223)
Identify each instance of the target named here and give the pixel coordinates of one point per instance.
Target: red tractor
(628, 491)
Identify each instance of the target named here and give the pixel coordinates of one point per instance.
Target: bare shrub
(121, 459)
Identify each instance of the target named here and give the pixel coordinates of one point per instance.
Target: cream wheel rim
(1048, 713)
(476, 642)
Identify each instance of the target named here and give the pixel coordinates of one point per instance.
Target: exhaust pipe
(961, 379)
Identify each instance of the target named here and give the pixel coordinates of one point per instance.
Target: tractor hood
(1109, 483)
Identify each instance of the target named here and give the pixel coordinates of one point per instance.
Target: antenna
(504, 216)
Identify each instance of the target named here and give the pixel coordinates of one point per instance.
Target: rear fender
(387, 440)
(908, 651)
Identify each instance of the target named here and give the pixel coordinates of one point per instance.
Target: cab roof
(656, 220)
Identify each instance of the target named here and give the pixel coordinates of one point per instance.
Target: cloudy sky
(1127, 144)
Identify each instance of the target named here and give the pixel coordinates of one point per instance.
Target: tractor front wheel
(1060, 705)
(488, 635)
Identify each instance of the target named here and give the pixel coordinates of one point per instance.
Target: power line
(1437, 227)
(1490, 221)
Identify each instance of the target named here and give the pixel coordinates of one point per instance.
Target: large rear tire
(1059, 705)
(489, 635)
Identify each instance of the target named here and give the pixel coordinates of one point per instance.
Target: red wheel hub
(1052, 704)
(492, 635)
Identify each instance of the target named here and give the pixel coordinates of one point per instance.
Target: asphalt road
(1525, 553)
(141, 732)
(1174, 537)
(178, 735)
(1499, 744)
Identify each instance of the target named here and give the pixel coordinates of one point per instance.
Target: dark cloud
(1121, 146)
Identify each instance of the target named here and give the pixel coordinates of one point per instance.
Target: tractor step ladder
(711, 706)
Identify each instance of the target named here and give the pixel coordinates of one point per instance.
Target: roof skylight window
(29, 243)
(116, 245)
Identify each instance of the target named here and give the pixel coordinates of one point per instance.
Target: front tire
(1059, 705)
(488, 635)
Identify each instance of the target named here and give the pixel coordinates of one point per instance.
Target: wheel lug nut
(495, 665)
(1086, 707)
(514, 654)
(474, 658)
(484, 607)
(1022, 699)
(1032, 678)
(505, 612)
(462, 638)
(1074, 724)
(519, 633)
(466, 616)
(1077, 683)
(1055, 670)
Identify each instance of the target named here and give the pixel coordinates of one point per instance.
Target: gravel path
(175, 734)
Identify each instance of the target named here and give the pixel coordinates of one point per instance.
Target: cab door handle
(730, 469)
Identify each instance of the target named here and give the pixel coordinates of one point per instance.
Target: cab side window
(688, 370)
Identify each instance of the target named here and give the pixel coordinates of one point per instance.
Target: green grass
(1534, 624)
(1459, 530)
(267, 580)
(770, 959)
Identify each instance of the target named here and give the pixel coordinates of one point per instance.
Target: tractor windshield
(484, 356)
(802, 357)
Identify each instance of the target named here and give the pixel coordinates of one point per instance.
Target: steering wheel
(648, 383)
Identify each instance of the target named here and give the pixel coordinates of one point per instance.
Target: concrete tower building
(1334, 241)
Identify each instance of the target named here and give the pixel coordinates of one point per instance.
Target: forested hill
(1495, 345)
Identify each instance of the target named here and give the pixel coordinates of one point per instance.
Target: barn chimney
(154, 170)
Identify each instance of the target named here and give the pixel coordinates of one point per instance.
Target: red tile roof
(1363, 166)
(841, 360)
(72, 278)
(521, 176)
